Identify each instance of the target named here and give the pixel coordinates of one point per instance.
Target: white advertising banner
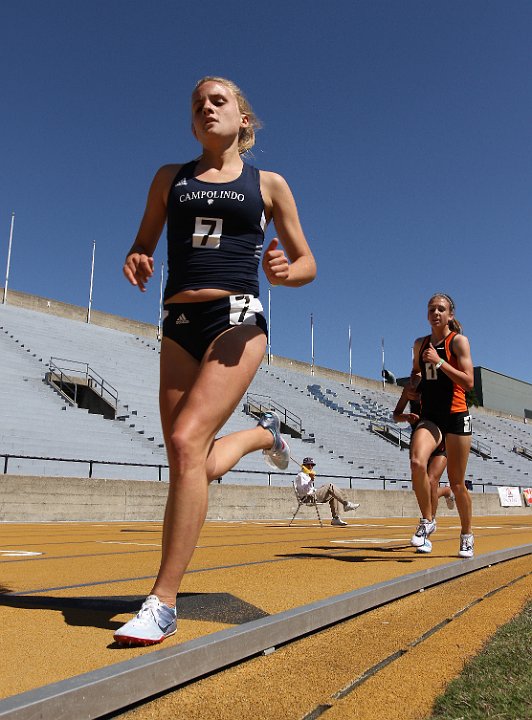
(527, 494)
(510, 497)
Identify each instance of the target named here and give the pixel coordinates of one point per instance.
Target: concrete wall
(75, 312)
(39, 499)
(343, 377)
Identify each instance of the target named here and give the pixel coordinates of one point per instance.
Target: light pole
(4, 300)
(312, 344)
(350, 358)
(382, 372)
(91, 282)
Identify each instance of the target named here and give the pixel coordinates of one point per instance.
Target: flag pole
(92, 281)
(382, 373)
(4, 300)
(269, 326)
(312, 343)
(350, 358)
(159, 322)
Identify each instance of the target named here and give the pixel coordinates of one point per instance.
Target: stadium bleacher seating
(37, 421)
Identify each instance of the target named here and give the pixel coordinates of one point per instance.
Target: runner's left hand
(275, 264)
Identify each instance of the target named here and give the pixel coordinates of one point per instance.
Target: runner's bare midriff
(201, 295)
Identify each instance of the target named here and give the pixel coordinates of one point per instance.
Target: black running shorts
(194, 326)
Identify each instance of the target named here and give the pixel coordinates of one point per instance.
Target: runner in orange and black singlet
(443, 401)
(443, 366)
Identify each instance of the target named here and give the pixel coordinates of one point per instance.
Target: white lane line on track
(479, 527)
(18, 553)
(117, 542)
(379, 525)
(371, 540)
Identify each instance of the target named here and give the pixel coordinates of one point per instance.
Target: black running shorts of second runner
(452, 424)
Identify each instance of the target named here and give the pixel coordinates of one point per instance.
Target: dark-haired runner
(443, 362)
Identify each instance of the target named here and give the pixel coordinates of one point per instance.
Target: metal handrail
(481, 448)
(92, 379)
(287, 416)
(522, 450)
(403, 436)
(386, 481)
(64, 380)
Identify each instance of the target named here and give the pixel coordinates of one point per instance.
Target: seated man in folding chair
(307, 492)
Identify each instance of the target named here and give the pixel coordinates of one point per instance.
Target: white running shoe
(338, 522)
(424, 529)
(450, 502)
(351, 506)
(154, 622)
(467, 544)
(425, 548)
(278, 456)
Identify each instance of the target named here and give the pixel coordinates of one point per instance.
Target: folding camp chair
(308, 501)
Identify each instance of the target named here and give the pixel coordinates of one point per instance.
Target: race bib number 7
(207, 233)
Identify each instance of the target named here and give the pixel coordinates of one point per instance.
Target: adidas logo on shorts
(182, 320)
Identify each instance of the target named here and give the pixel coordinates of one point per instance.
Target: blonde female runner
(216, 209)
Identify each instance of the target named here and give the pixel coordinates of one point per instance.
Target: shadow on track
(95, 611)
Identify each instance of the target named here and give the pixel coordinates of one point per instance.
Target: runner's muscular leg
(458, 447)
(437, 465)
(226, 451)
(196, 400)
(425, 440)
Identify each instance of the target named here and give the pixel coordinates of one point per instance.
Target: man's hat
(308, 461)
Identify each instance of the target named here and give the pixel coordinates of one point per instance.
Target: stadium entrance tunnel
(82, 387)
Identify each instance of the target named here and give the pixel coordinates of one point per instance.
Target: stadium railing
(271, 477)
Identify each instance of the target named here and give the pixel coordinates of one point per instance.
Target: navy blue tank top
(215, 232)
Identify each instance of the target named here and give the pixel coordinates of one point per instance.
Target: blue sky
(402, 126)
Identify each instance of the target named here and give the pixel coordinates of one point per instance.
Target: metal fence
(89, 468)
